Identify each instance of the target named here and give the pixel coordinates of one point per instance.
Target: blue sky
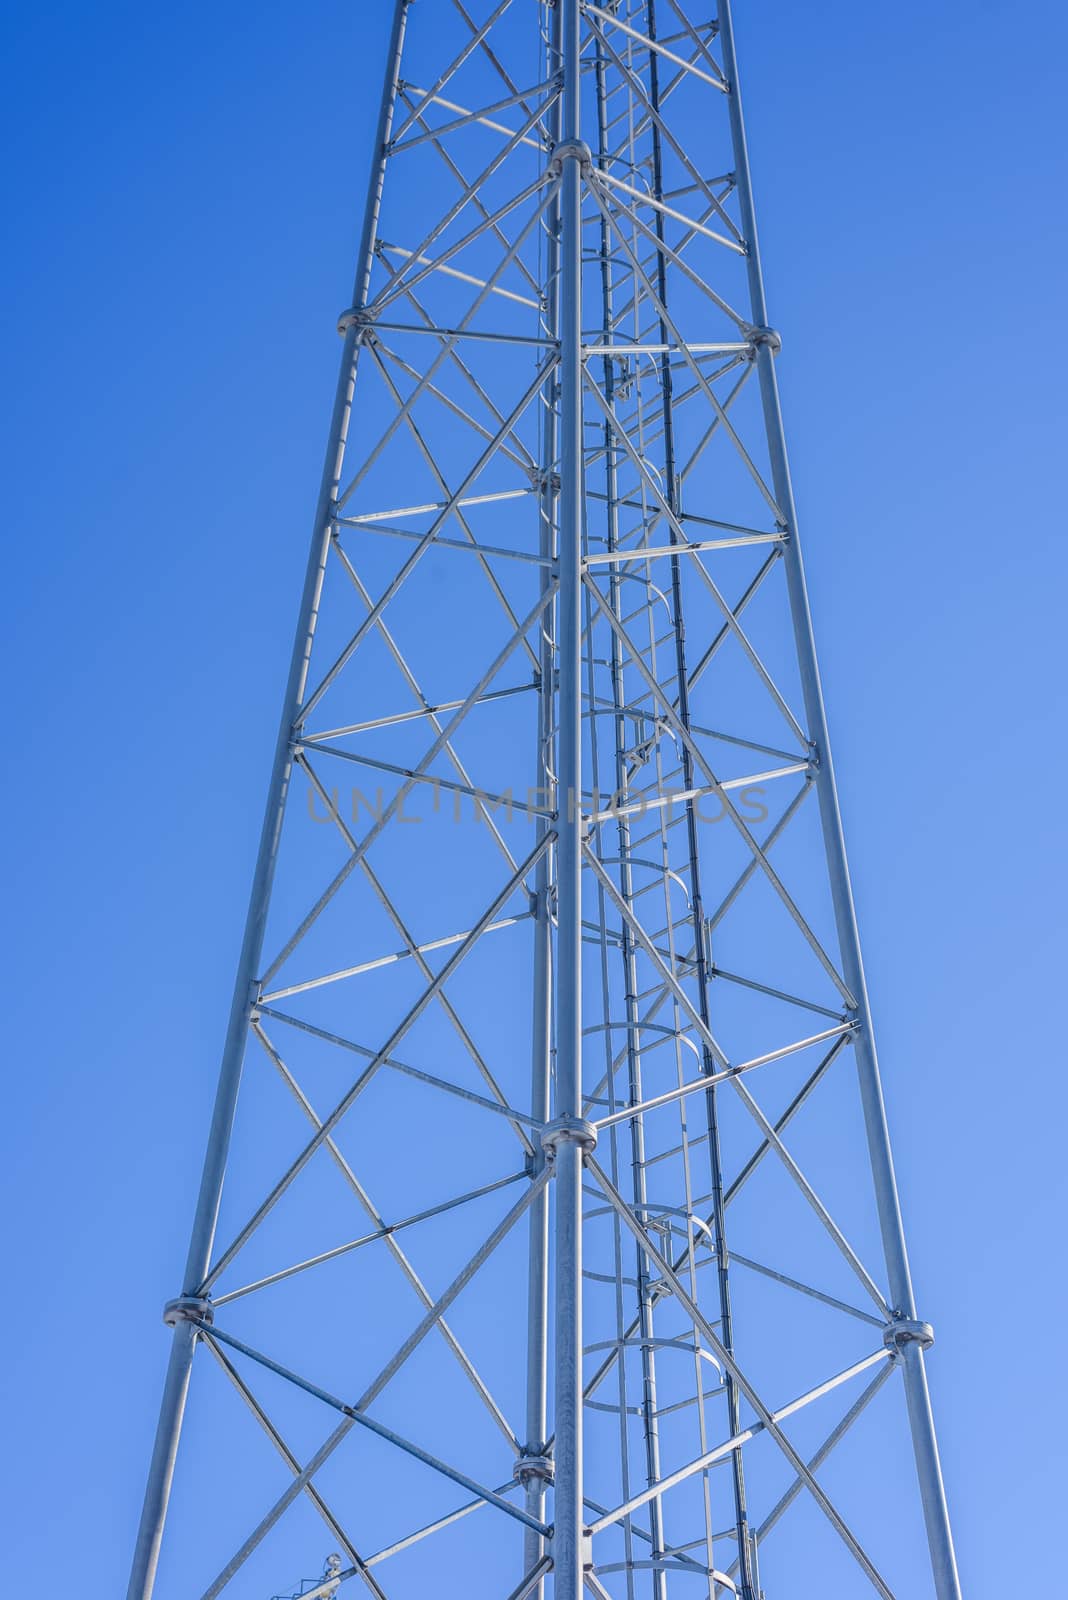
(182, 209)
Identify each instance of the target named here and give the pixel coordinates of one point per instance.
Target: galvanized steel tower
(560, 1247)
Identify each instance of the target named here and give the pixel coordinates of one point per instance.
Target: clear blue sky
(182, 209)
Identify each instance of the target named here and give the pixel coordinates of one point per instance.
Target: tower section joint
(758, 336)
(569, 1130)
(570, 150)
(188, 1308)
(354, 317)
(902, 1331)
(533, 1466)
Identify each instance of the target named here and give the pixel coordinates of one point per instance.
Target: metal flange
(188, 1308)
(768, 336)
(534, 1468)
(353, 318)
(570, 150)
(569, 1130)
(902, 1331)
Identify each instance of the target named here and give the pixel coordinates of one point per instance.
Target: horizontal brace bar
(643, 552)
(666, 349)
(369, 320)
(652, 514)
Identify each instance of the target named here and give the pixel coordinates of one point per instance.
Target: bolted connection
(570, 150)
(768, 336)
(569, 1130)
(533, 1468)
(902, 1331)
(353, 317)
(188, 1308)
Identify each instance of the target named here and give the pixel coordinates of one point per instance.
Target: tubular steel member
(570, 157)
(176, 1387)
(535, 1468)
(646, 1293)
(928, 1466)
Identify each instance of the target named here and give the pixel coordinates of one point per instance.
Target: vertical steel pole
(909, 1340)
(176, 1386)
(535, 1476)
(568, 1508)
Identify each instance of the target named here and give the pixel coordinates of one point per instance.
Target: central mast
(569, 1133)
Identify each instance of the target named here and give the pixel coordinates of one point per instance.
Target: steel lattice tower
(560, 1246)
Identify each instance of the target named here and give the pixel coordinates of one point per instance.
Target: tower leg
(541, 1031)
(176, 1387)
(161, 1468)
(568, 1514)
(910, 1347)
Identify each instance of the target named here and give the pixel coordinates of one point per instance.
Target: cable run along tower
(559, 1250)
